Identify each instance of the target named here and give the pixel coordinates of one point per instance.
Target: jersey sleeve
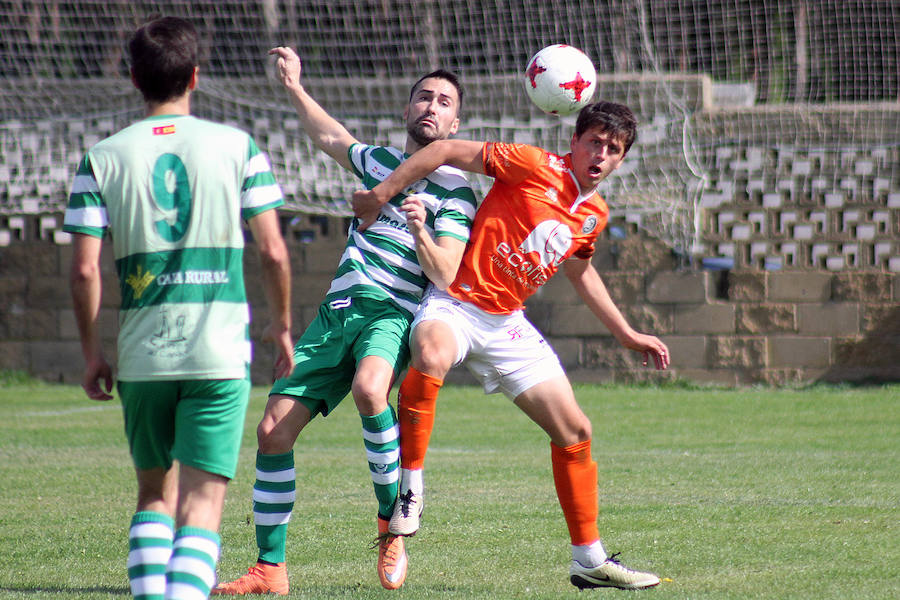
(456, 213)
(511, 163)
(259, 191)
(358, 153)
(86, 211)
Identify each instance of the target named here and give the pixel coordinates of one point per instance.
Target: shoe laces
(385, 543)
(406, 500)
(613, 559)
(244, 584)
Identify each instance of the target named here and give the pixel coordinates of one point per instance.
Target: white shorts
(504, 352)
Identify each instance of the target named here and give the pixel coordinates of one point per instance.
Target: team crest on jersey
(552, 194)
(590, 224)
(418, 187)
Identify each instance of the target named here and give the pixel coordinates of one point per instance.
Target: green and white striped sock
(149, 549)
(273, 500)
(381, 435)
(192, 568)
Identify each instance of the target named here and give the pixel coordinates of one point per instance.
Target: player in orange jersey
(542, 212)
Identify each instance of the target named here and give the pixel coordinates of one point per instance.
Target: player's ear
(192, 84)
(454, 126)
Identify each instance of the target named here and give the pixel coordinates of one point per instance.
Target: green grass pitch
(744, 494)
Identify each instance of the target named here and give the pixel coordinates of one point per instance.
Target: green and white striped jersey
(381, 261)
(172, 192)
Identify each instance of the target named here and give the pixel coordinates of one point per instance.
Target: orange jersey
(531, 220)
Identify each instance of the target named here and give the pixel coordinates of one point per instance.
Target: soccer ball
(560, 79)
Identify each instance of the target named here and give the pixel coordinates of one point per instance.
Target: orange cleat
(392, 561)
(261, 578)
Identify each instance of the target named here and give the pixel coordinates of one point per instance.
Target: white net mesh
(708, 162)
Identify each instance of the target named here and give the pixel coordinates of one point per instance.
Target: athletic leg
(552, 405)
(191, 571)
(151, 532)
(274, 492)
(371, 385)
(433, 354)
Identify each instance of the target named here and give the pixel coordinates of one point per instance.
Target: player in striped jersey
(542, 212)
(171, 190)
(358, 342)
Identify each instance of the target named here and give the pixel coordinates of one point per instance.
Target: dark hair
(614, 119)
(164, 53)
(453, 78)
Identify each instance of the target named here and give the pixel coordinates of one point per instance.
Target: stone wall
(726, 327)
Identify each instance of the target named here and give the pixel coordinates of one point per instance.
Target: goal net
(678, 64)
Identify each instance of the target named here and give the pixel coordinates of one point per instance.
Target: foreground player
(542, 211)
(358, 343)
(172, 190)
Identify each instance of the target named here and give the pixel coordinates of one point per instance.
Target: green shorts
(327, 353)
(198, 422)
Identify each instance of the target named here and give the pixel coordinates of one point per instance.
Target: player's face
(432, 112)
(595, 155)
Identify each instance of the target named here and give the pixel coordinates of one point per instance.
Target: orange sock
(575, 476)
(415, 411)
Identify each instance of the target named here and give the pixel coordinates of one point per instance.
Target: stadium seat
(785, 219)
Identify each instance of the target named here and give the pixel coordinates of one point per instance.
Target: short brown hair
(614, 119)
(164, 53)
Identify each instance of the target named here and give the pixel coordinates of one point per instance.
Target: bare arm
(84, 282)
(587, 282)
(276, 276)
(326, 132)
(439, 257)
(462, 154)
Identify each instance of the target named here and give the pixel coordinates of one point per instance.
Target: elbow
(83, 273)
(274, 254)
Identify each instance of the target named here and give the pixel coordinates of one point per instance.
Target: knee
(370, 397)
(272, 437)
(584, 431)
(432, 357)
(576, 432)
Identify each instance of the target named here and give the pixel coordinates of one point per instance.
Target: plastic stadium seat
(785, 219)
(834, 200)
(771, 200)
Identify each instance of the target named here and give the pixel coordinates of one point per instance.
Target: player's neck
(411, 146)
(586, 191)
(177, 106)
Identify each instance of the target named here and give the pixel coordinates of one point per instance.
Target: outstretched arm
(276, 275)
(325, 131)
(587, 282)
(84, 282)
(462, 154)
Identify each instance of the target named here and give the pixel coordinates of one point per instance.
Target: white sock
(412, 480)
(591, 555)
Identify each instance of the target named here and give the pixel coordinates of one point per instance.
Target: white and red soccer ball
(560, 79)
